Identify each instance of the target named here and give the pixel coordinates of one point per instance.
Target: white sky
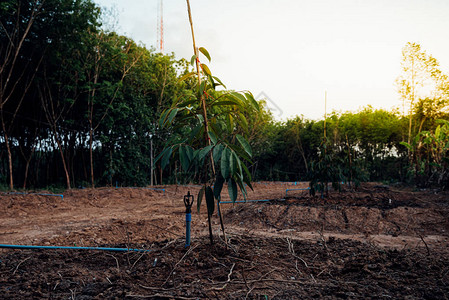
(294, 51)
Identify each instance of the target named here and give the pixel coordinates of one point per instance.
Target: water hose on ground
(243, 201)
(72, 248)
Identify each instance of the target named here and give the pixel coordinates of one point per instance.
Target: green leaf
(229, 123)
(239, 96)
(224, 164)
(181, 120)
(232, 163)
(219, 81)
(195, 155)
(172, 115)
(206, 69)
(213, 137)
(243, 122)
(241, 153)
(204, 152)
(244, 144)
(204, 51)
(253, 101)
(202, 86)
(192, 60)
(200, 199)
(437, 132)
(163, 118)
(211, 79)
(214, 128)
(187, 103)
(189, 151)
(233, 97)
(160, 155)
(218, 186)
(247, 176)
(237, 163)
(242, 188)
(225, 102)
(195, 131)
(406, 145)
(166, 158)
(176, 141)
(218, 149)
(184, 158)
(232, 189)
(210, 202)
(186, 76)
(200, 118)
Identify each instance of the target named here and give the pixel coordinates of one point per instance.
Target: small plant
(327, 169)
(430, 156)
(352, 172)
(211, 145)
(335, 166)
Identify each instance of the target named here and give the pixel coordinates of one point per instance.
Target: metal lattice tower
(160, 26)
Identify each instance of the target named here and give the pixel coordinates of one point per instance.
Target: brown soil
(376, 242)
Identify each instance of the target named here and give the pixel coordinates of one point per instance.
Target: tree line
(81, 106)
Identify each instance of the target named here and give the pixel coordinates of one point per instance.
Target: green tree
(421, 85)
(38, 39)
(431, 156)
(60, 82)
(131, 124)
(16, 74)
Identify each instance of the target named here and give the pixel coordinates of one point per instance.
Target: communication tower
(160, 26)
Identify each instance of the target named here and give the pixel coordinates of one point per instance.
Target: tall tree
(113, 55)
(18, 63)
(61, 82)
(421, 85)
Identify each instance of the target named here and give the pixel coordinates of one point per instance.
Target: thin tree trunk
(301, 150)
(160, 175)
(91, 111)
(350, 161)
(8, 149)
(110, 166)
(28, 161)
(151, 162)
(92, 182)
(412, 101)
(13, 49)
(206, 125)
(67, 177)
(421, 124)
(51, 118)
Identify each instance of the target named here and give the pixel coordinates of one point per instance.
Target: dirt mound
(361, 212)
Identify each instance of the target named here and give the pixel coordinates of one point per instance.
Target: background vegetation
(80, 106)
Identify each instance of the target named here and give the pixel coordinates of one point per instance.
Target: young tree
(211, 145)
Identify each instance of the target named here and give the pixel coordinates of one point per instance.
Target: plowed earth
(376, 242)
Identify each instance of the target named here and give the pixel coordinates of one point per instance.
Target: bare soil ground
(377, 242)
